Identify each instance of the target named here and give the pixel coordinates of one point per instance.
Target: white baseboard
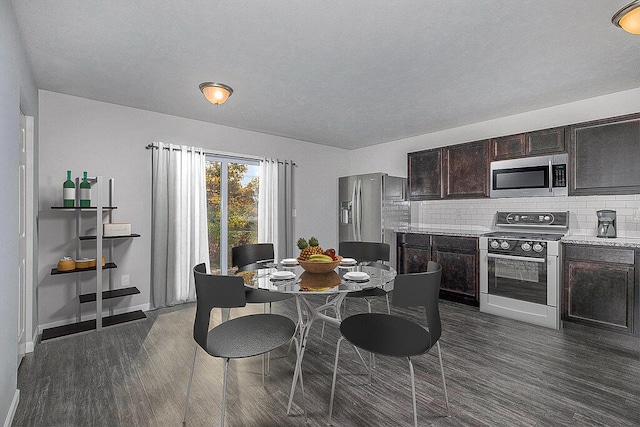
(12, 409)
(143, 307)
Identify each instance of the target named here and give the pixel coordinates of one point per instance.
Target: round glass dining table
(335, 285)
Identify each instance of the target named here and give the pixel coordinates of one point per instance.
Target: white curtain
(179, 238)
(275, 206)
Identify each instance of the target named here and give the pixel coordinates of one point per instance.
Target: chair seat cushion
(248, 336)
(263, 296)
(386, 334)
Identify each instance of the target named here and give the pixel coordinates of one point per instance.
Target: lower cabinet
(600, 287)
(457, 255)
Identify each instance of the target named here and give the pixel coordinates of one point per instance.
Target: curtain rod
(225, 156)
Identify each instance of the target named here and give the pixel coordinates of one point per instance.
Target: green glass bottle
(68, 192)
(85, 191)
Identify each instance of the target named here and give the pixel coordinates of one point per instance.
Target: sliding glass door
(232, 207)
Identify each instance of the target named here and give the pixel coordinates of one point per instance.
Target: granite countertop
(624, 242)
(442, 231)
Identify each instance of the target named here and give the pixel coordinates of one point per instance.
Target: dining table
(287, 276)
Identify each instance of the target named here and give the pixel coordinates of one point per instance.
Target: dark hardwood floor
(499, 373)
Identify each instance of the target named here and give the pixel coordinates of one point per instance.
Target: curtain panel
(275, 206)
(179, 222)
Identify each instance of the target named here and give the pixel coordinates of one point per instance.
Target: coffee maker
(606, 223)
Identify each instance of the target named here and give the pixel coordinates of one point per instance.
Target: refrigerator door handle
(359, 211)
(354, 209)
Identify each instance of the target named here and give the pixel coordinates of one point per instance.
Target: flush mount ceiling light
(628, 18)
(216, 93)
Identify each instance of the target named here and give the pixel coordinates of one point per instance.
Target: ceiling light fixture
(216, 93)
(628, 18)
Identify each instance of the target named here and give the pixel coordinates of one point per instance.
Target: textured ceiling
(341, 73)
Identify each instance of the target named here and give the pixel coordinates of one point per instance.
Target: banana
(320, 258)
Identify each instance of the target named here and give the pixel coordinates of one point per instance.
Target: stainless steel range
(520, 267)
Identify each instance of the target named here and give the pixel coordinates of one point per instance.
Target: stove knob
(495, 244)
(537, 247)
(526, 246)
(504, 244)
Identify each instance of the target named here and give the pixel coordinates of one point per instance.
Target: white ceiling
(345, 73)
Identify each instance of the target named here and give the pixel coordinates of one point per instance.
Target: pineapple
(308, 249)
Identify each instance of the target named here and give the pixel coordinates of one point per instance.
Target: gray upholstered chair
(240, 337)
(395, 336)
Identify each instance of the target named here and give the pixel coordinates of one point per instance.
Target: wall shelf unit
(100, 294)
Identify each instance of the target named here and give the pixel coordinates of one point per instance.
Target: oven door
(518, 278)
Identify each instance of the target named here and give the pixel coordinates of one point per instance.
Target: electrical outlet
(124, 280)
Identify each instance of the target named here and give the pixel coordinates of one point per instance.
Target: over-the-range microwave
(542, 176)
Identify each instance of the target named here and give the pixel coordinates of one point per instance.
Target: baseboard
(12, 409)
(143, 307)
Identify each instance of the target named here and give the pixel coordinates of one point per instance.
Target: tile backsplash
(478, 214)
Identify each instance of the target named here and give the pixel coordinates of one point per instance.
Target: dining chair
(246, 256)
(236, 338)
(395, 336)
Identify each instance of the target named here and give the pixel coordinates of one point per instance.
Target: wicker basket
(319, 267)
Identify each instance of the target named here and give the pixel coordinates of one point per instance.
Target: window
(232, 207)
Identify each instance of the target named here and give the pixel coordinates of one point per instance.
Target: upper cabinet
(466, 170)
(605, 156)
(548, 141)
(425, 174)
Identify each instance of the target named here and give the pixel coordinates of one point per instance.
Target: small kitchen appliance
(606, 223)
(520, 267)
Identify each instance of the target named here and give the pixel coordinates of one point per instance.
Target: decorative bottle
(68, 192)
(85, 191)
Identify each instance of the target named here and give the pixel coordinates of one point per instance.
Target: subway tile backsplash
(478, 214)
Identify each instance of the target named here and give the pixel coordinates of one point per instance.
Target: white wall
(109, 140)
(17, 91)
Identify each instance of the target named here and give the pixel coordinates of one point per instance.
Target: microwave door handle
(550, 177)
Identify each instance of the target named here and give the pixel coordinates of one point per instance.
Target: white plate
(283, 275)
(348, 261)
(289, 261)
(357, 276)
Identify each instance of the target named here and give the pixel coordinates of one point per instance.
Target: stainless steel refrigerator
(372, 207)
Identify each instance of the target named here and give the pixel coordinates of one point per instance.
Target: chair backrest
(421, 290)
(364, 251)
(214, 292)
(247, 255)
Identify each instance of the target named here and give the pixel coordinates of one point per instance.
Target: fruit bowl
(319, 266)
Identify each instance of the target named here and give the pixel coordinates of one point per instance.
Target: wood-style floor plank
(499, 372)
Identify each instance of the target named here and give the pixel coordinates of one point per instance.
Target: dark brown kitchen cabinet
(547, 141)
(605, 156)
(466, 170)
(425, 174)
(600, 287)
(457, 255)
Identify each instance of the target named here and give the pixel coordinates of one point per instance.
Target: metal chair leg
(186, 402)
(413, 394)
(444, 383)
(333, 383)
(224, 391)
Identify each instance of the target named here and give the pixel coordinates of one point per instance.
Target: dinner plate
(289, 261)
(283, 275)
(348, 261)
(356, 276)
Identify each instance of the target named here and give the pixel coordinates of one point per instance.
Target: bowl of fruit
(313, 259)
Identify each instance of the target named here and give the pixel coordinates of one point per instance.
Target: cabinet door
(605, 156)
(459, 272)
(466, 170)
(599, 294)
(507, 147)
(424, 171)
(548, 141)
(413, 259)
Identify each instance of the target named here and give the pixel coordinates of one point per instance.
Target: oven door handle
(517, 258)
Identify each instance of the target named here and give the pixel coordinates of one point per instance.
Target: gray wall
(17, 91)
(110, 140)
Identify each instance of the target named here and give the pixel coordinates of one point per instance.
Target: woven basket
(319, 267)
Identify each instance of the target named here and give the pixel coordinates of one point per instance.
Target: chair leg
(224, 391)
(372, 357)
(186, 402)
(333, 383)
(388, 306)
(444, 383)
(413, 394)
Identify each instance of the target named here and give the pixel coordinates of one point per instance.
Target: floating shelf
(89, 325)
(85, 208)
(116, 293)
(107, 265)
(128, 236)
